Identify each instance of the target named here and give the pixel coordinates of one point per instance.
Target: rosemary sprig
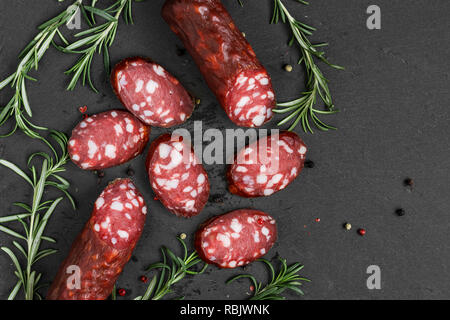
(287, 278)
(303, 109)
(19, 105)
(176, 270)
(36, 216)
(98, 38)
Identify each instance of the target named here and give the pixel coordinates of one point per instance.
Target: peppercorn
(144, 279)
(100, 174)
(309, 164)
(362, 232)
(197, 101)
(347, 226)
(130, 172)
(243, 33)
(183, 236)
(121, 292)
(400, 212)
(288, 68)
(408, 182)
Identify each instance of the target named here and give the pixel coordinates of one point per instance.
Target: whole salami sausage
(267, 165)
(107, 139)
(178, 179)
(236, 238)
(151, 93)
(101, 250)
(226, 60)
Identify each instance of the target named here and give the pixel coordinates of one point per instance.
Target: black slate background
(393, 124)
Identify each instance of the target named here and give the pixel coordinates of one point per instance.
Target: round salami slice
(103, 247)
(225, 58)
(107, 139)
(267, 165)
(178, 179)
(151, 93)
(236, 238)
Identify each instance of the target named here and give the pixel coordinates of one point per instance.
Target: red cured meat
(236, 238)
(107, 139)
(104, 246)
(151, 93)
(225, 58)
(178, 179)
(267, 165)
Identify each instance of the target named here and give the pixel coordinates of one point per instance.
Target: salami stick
(225, 58)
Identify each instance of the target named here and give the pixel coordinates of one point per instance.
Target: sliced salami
(178, 179)
(107, 139)
(104, 246)
(267, 165)
(225, 58)
(236, 238)
(151, 93)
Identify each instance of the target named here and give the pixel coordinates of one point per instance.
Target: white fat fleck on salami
(285, 146)
(151, 86)
(159, 70)
(232, 264)
(135, 202)
(110, 151)
(144, 210)
(182, 116)
(99, 203)
(117, 206)
(123, 234)
(202, 10)
(164, 150)
(93, 148)
(71, 142)
(128, 205)
(128, 216)
(241, 169)
(97, 227)
(201, 178)
(263, 251)
(113, 240)
(76, 157)
(130, 128)
(139, 85)
(114, 114)
(187, 189)
(135, 107)
(262, 178)
(224, 239)
(243, 102)
(268, 192)
(148, 113)
(118, 129)
(302, 150)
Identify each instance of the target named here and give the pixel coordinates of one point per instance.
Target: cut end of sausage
(267, 165)
(251, 100)
(236, 238)
(119, 214)
(151, 93)
(178, 179)
(107, 139)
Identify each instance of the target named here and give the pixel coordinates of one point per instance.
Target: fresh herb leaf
(96, 39)
(286, 279)
(176, 269)
(303, 110)
(38, 214)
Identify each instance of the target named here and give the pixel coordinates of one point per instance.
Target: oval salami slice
(178, 179)
(236, 238)
(151, 93)
(267, 165)
(107, 139)
(103, 247)
(225, 58)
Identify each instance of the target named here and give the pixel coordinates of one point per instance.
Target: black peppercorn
(130, 172)
(309, 164)
(100, 174)
(400, 212)
(408, 182)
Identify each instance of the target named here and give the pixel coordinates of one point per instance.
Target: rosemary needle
(303, 110)
(98, 38)
(287, 278)
(171, 272)
(36, 216)
(19, 105)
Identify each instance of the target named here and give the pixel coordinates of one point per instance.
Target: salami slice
(267, 165)
(103, 247)
(151, 93)
(107, 139)
(178, 179)
(236, 238)
(225, 58)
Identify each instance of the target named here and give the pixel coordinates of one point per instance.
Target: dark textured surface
(393, 124)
